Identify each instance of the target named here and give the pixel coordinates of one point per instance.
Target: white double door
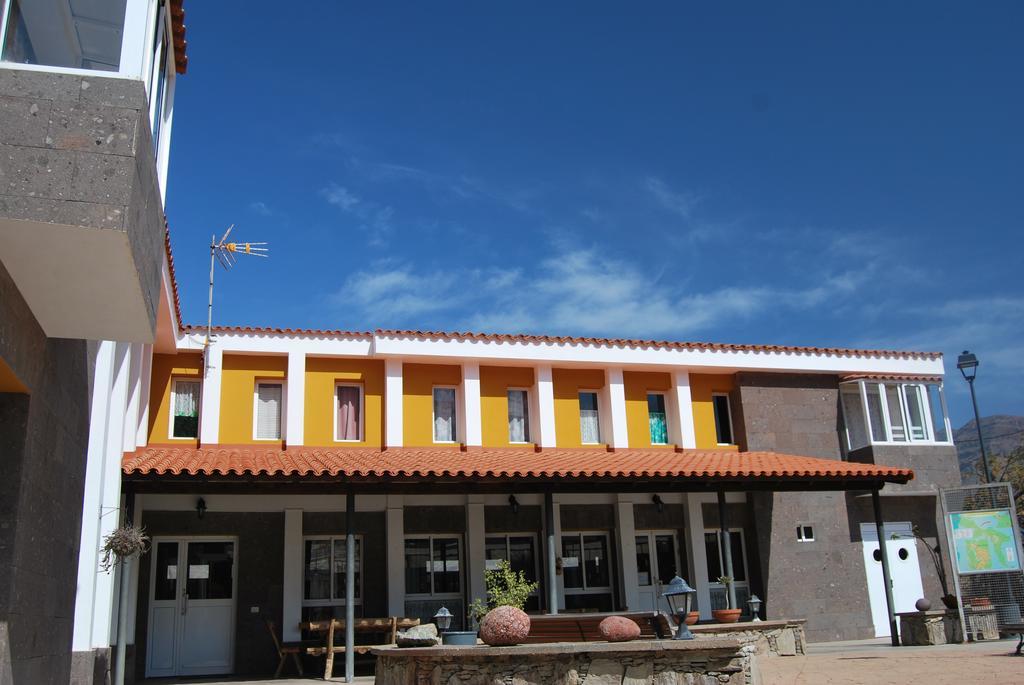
(904, 569)
(657, 562)
(191, 607)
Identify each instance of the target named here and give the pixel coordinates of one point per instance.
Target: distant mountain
(1002, 434)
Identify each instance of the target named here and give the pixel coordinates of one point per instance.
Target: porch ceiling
(454, 469)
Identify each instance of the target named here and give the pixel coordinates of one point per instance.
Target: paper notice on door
(172, 573)
(198, 571)
(570, 562)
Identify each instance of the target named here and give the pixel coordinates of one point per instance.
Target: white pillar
(395, 522)
(296, 402)
(695, 522)
(684, 434)
(475, 547)
(142, 432)
(557, 515)
(626, 529)
(393, 403)
(134, 398)
(544, 389)
(617, 406)
(292, 582)
(471, 404)
(209, 418)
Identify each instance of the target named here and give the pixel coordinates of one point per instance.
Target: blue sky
(841, 174)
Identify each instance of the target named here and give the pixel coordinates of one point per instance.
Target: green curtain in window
(659, 428)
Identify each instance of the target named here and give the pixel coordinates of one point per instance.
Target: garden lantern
(679, 596)
(443, 619)
(755, 607)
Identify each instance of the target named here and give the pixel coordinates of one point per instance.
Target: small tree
(505, 587)
(727, 582)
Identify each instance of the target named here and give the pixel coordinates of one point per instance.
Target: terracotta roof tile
(479, 463)
(922, 378)
(178, 33)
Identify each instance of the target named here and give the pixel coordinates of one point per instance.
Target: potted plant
(121, 543)
(728, 614)
(505, 587)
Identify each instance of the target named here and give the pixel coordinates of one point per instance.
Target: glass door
(657, 562)
(587, 572)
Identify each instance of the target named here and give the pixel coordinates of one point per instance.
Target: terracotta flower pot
(692, 617)
(726, 615)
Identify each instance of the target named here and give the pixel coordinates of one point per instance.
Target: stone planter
(459, 638)
(936, 627)
(726, 615)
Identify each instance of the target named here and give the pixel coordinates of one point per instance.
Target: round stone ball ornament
(618, 629)
(923, 604)
(504, 626)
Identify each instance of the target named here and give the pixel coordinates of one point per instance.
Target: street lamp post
(968, 365)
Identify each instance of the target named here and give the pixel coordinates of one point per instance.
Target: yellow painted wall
(167, 367)
(637, 385)
(321, 376)
(567, 385)
(237, 384)
(701, 388)
(494, 384)
(418, 381)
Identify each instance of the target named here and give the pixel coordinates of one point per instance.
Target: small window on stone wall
(805, 533)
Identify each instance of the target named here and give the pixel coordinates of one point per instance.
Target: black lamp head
(200, 507)
(659, 503)
(514, 503)
(967, 362)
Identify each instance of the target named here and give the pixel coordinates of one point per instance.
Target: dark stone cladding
(260, 575)
(78, 151)
(935, 466)
(43, 443)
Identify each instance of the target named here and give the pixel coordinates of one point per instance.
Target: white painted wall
(296, 400)
(619, 437)
(393, 403)
(626, 531)
(544, 389)
(209, 412)
(681, 402)
(471, 414)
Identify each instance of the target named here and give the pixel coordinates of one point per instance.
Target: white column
(617, 406)
(544, 389)
(684, 434)
(142, 432)
(393, 404)
(134, 399)
(292, 581)
(296, 402)
(395, 522)
(695, 522)
(475, 548)
(558, 549)
(209, 418)
(471, 404)
(626, 529)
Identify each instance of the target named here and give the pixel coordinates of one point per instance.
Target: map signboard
(984, 541)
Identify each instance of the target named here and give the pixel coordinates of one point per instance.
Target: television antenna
(227, 254)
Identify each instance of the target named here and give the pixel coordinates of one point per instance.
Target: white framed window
(520, 551)
(324, 571)
(804, 533)
(723, 418)
(893, 412)
(518, 415)
(657, 417)
(433, 566)
(587, 573)
(62, 33)
(268, 410)
(445, 428)
(185, 398)
(590, 420)
(716, 566)
(348, 412)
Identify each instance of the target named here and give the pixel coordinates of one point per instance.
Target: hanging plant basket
(121, 543)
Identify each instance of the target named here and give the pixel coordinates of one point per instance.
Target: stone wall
(935, 466)
(711, 661)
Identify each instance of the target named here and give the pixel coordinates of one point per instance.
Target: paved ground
(879, 663)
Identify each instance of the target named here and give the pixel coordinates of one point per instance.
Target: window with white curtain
(444, 415)
(895, 412)
(185, 409)
(348, 413)
(518, 416)
(590, 424)
(269, 400)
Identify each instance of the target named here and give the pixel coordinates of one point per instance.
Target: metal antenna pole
(209, 307)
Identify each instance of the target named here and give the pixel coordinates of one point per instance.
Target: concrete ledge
(764, 638)
(559, 648)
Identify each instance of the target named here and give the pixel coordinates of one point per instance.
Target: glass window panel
(714, 561)
(523, 556)
(446, 565)
(318, 569)
(643, 560)
(518, 416)
(657, 419)
(495, 549)
(572, 562)
(665, 546)
(853, 415)
(590, 424)
(268, 411)
(339, 568)
(185, 422)
(915, 412)
(739, 565)
(166, 583)
(897, 426)
(875, 412)
(348, 412)
(938, 416)
(597, 571)
(417, 567)
(723, 420)
(444, 415)
(62, 33)
(210, 567)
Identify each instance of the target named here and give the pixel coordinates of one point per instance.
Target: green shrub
(505, 587)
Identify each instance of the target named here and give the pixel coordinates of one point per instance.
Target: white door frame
(655, 585)
(183, 542)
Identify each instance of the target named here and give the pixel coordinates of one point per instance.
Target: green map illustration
(984, 541)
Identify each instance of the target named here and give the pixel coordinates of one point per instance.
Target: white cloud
(678, 203)
(260, 208)
(374, 219)
(340, 196)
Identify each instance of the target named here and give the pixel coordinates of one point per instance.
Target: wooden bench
(583, 627)
(387, 627)
(1017, 628)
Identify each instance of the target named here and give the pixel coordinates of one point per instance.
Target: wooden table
(388, 626)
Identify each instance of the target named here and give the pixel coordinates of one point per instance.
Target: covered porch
(304, 534)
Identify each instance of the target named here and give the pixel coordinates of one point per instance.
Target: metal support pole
(124, 584)
(723, 529)
(894, 633)
(981, 441)
(350, 587)
(549, 524)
